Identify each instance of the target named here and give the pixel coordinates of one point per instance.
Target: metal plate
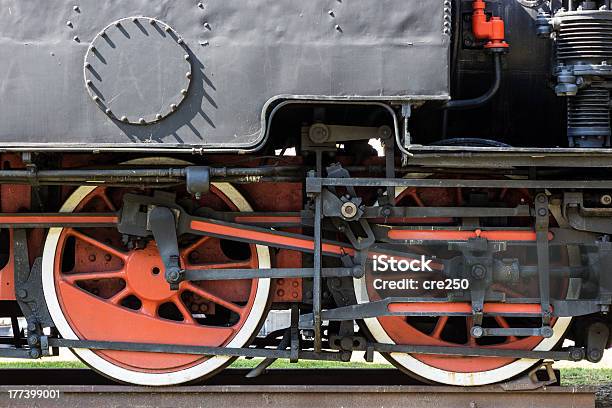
(138, 70)
(246, 58)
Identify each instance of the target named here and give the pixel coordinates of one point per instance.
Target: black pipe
(483, 99)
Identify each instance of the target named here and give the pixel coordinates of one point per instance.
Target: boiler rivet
(167, 29)
(183, 92)
(69, 23)
(158, 116)
(186, 57)
(76, 38)
(173, 107)
(76, 8)
(141, 121)
(88, 82)
(124, 119)
(188, 75)
(108, 112)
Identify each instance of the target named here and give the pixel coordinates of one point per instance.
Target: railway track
(301, 388)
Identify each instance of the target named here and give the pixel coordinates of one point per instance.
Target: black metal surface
(240, 57)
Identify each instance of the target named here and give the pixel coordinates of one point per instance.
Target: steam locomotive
(427, 179)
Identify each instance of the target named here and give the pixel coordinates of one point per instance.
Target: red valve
(492, 30)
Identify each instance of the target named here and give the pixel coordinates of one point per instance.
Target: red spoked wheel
(99, 288)
(455, 330)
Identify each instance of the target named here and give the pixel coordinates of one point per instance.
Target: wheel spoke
(107, 200)
(215, 299)
(178, 302)
(468, 324)
(75, 277)
(186, 251)
(119, 296)
(148, 307)
(503, 323)
(100, 245)
(440, 324)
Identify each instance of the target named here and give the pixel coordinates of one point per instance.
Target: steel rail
(330, 388)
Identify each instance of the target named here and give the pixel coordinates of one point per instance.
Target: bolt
(134, 20)
(358, 271)
(173, 107)
(542, 198)
(158, 116)
(118, 24)
(22, 293)
(167, 29)
(595, 355)
(87, 65)
(606, 199)
(546, 332)
(576, 354)
(92, 258)
(152, 22)
(186, 57)
(542, 212)
(96, 98)
(141, 121)
(107, 257)
(188, 75)
(203, 308)
(69, 23)
(88, 82)
(280, 293)
(33, 340)
(124, 119)
(348, 210)
(385, 212)
(31, 327)
(76, 38)
(195, 307)
(201, 5)
(109, 113)
(479, 271)
(346, 356)
(331, 13)
(477, 331)
(173, 275)
(337, 27)
(206, 25)
(183, 92)
(76, 8)
(180, 41)
(35, 353)
(203, 43)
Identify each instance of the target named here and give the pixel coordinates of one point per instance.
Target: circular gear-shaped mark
(138, 70)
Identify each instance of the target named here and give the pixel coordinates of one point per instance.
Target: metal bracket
(543, 252)
(530, 381)
(163, 225)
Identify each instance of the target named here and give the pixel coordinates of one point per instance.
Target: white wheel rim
(241, 338)
(454, 377)
(459, 378)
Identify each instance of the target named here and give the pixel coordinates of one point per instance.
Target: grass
(569, 376)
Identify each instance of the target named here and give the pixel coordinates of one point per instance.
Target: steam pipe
(486, 97)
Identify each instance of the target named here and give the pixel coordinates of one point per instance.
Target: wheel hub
(145, 276)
